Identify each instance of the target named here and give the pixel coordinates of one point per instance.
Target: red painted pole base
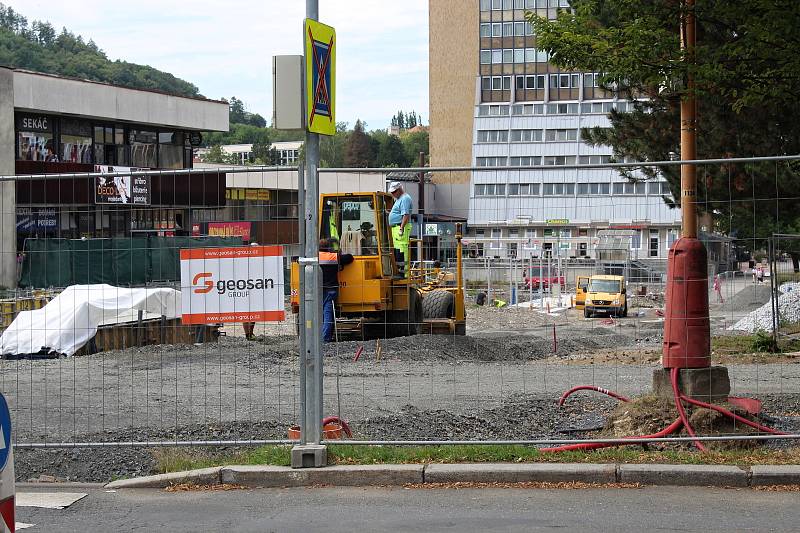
(687, 329)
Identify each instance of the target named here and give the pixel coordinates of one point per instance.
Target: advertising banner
(230, 229)
(43, 220)
(124, 190)
(221, 285)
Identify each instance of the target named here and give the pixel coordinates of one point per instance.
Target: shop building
(55, 125)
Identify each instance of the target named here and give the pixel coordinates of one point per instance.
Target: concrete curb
(520, 473)
(684, 475)
(395, 475)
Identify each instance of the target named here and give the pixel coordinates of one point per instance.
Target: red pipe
(670, 429)
(730, 414)
(607, 392)
(681, 412)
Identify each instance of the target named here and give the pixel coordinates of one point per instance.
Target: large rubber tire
(438, 304)
(408, 322)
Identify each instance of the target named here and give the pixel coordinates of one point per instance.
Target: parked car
(542, 277)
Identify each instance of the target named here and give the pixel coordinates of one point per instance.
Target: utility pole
(689, 128)
(310, 452)
(420, 244)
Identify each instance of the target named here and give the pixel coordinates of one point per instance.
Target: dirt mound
(649, 414)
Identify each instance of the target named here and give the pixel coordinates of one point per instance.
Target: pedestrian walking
(760, 274)
(718, 289)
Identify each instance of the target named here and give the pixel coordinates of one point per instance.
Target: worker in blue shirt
(400, 221)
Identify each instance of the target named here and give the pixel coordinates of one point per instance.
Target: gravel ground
(499, 381)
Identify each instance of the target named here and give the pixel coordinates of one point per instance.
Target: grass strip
(180, 459)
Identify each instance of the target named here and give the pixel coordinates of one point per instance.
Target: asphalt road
(398, 509)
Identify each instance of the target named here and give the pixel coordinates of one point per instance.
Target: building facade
(285, 153)
(522, 111)
(55, 125)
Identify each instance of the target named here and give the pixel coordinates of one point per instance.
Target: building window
(519, 29)
(497, 57)
(170, 149)
(508, 29)
(595, 189)
(594, 159)
(492, 136)
(526, 161)
(519, 55)
(491, 161)
(562, 135)
(76, 141)
(636, 240)
(526, 136)
(559, 160)
(497, 30)
(35, 138)
(486, 30)
(143, 148)
(508, 55)
(109, 145)
(559, 189)
(486, 57)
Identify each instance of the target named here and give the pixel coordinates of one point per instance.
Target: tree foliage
(359, 151)
(747, 74)
(39, 47)
(404, 120)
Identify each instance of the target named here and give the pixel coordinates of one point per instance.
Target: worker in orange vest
(330, 262)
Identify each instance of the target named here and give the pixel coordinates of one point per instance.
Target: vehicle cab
(607, 295)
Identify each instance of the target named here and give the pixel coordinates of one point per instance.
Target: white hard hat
(395, 185)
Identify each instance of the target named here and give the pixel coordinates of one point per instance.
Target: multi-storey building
(497, 102)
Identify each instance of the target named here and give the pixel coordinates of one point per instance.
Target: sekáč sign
(124, 190)
(220, 285)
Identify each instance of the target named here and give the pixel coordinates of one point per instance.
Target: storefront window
(170, 150)
(109, 145)
(35, 138)
(76, 141)
(143, 149)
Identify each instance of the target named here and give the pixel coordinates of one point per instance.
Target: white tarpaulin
(71, 319)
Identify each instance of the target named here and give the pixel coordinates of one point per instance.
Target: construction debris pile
(788, 311)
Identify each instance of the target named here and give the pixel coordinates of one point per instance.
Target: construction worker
(400, 221)
(330, 262)
(333, 228)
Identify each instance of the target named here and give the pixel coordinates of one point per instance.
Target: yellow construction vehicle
(377, 299)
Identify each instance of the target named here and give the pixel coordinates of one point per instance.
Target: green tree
(414, 143)
(217, 155)
(748, 82)
(358, 148)
(390, 151)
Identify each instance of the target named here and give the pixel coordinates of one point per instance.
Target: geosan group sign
(220, 285)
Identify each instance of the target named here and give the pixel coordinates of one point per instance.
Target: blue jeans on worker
(328, 318)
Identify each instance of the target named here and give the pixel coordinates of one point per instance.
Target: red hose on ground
(345, 427)
(730, 414)
(679, 406)
(672, 428)
(607, 392)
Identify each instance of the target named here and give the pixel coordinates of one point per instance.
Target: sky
(225, 47)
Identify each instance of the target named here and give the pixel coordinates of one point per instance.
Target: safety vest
(333, 230)
(328, 258)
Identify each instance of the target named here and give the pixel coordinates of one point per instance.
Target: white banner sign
(221, 285)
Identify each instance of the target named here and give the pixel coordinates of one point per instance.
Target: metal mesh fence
(395, 374)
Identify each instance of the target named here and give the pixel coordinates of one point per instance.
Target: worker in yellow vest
(400, 221)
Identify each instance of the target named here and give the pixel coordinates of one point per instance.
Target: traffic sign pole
(310, 453)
